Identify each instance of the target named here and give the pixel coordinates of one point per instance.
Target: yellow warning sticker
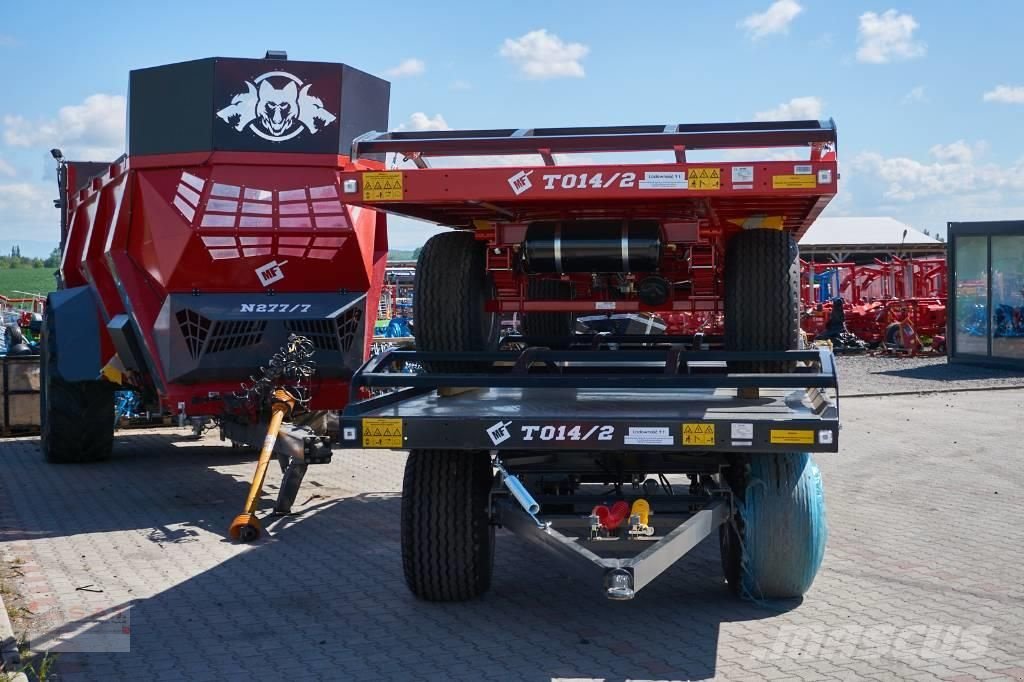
(382, 433)
(794, 181)
(698, 434)
(383, 186)
(704, 178)
(791, 437)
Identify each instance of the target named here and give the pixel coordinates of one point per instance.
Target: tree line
(16, 260)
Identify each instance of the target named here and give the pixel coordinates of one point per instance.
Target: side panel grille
(322, 333)
(194, 328)
(235, 334)
(348, 327)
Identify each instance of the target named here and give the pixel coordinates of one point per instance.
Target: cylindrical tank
(592, 246)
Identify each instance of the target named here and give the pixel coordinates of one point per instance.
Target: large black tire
(548, 325)
(452, 286)
(447, 537)
(762, 292)
(774, 544)
(76, 417)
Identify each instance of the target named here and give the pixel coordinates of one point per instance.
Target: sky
(927, 95)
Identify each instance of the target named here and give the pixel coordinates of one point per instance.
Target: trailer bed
(609, 400)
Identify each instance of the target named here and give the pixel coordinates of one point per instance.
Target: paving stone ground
(923, 578)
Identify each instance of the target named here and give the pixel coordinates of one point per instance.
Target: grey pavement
(923, 577)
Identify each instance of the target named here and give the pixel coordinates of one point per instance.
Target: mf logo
(498, 433)
(270, 273)
(277, 106)
(520, 182)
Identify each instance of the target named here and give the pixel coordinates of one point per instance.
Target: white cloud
(93, 130)
(6, 169)
(420, 121)
(408, 67)
(27, 210)
(460, 85)
(955, 170)
(798, 108)
(887, 37)
(540, 54)
(915, 95)
(1006, 94)
(775, 19)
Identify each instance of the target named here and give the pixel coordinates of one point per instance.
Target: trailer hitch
(280, 384)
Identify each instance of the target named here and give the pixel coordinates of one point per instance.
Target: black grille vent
(322, 333)
(348, 327)
(194, 327)
(231, 335)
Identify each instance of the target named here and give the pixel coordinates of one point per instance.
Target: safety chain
(292, 365)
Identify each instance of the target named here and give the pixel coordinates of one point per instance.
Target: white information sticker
(649, 435)
(742, 174)
(664, 180)
(742, 431)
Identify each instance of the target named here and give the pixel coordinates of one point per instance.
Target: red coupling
(612, 518)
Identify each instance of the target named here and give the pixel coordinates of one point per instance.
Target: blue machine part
(785, 526)
(398, 327)
(828, 285)
(125, 404)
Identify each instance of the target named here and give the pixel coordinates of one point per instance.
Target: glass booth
(986, 292)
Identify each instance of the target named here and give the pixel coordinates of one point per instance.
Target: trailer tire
(447, 537)
(549, 325)
(762, 294)
(76, 417)
(774, 545)
(452, 286)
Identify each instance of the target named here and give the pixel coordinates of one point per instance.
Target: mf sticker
(270, 273)
(698, 434)
(791, 437)
(382, 433)
(794, 182)
(498, 433)
(382, 186)
(704, 178)
(277, 106)
(520, 182)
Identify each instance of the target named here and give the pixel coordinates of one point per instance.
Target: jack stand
(290, 483)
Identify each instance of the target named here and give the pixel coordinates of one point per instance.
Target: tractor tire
(452, 286)
(447, 537)
(76, 417)
(762, 295)
(549, 325)
(773, 546)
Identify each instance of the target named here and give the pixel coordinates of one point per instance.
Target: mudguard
(77, 333)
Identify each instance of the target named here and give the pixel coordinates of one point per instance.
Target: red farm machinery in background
(878, 298)
(223, 232)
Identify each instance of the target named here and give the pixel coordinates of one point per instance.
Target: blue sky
(928, 95)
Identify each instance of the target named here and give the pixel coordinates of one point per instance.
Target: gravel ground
(883, 375)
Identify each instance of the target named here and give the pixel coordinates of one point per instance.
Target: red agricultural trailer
(224, 230)
(585, 430)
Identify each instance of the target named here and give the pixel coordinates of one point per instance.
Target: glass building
(986, 292)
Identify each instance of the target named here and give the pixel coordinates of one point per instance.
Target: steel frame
(624, 577)
(615, 391)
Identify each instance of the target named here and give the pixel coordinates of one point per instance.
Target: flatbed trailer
(623, 452)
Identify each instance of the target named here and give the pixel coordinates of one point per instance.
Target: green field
(33, 280)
